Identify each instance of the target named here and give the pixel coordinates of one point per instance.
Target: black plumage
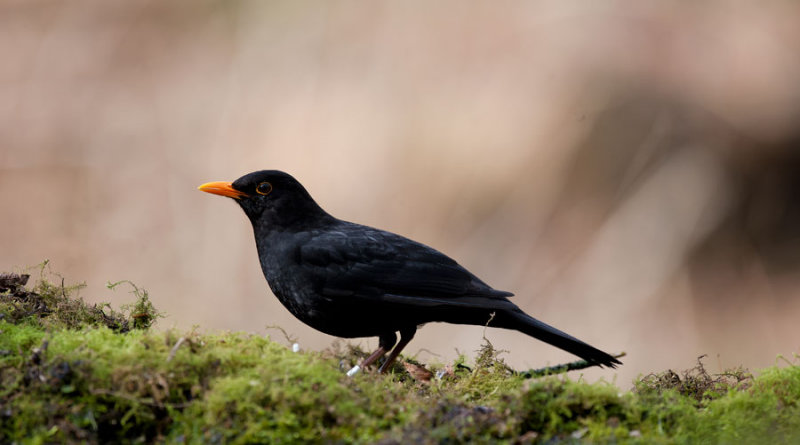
(350, 280)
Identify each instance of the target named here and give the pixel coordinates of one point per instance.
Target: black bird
(350, 280)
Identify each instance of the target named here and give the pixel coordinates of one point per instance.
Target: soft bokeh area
(630, 170)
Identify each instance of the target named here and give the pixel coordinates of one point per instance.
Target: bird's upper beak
(222, 188)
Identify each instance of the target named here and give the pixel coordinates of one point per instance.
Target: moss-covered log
(73, 372)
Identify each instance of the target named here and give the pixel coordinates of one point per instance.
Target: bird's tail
(520, 321)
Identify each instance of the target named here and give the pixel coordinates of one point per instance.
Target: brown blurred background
(628, 169)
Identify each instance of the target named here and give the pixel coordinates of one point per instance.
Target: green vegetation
(74, 372)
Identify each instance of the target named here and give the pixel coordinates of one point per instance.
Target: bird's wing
(360, 261)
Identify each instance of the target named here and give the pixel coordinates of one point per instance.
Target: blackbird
(350, 280)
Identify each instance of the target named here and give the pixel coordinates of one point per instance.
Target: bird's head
(270, 198)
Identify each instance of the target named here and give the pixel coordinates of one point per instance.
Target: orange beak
(222, 188)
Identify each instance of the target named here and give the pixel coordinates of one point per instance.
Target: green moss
(68, 375)
(57, 306)
(768, 411)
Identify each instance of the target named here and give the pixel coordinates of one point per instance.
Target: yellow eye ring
(264, 188)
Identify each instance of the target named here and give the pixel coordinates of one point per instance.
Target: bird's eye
(264, 188)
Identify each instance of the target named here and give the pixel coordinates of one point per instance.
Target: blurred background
(630, 170)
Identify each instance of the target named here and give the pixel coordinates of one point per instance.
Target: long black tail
(520, 321)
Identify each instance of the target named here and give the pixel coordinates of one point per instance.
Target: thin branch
(174, 349)
(560, 369)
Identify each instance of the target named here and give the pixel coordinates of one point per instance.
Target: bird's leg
(385, 343)
(405, 336)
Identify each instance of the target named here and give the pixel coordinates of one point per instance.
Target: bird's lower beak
(222, 188)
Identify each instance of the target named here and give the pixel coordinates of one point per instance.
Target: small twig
(781, 357)
(289, 338)
(427, 351)
(174, 349)
(560, 369)
(491, 317)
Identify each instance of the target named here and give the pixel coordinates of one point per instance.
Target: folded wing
(360, 261)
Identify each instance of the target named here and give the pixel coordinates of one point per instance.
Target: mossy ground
(72, 372)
